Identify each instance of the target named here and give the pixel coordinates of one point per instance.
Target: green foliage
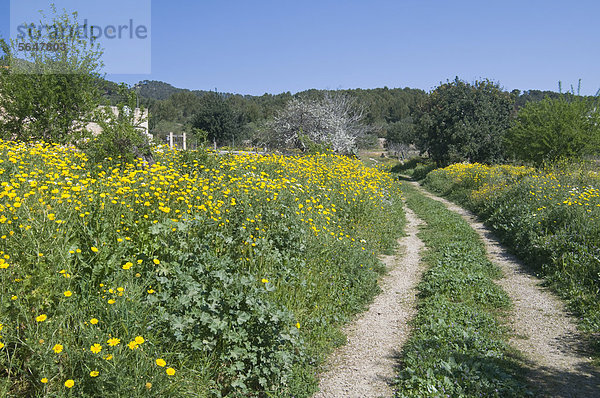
(383, 106)
(459, 345)
(549, 217)
(162, 128)
(523, 98)
(555, 128)
(216, 116)
(311, 146)
(209, 304)
(50, 95)
(388, 105)
(368, 141)
(121, 138)
(417, 167)
(156, 90)
(402, 132)
(464, 122)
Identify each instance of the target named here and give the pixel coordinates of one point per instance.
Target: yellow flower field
(88, 253)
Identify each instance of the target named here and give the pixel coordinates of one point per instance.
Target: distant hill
(157, 90)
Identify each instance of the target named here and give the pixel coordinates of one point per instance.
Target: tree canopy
(217, 118)
(334, 121)
(555, 128)
(464, 122)
(50, 95)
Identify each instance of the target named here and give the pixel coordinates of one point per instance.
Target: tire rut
(366, 365)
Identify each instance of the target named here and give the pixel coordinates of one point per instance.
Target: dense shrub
(416, 167)
(464, 122)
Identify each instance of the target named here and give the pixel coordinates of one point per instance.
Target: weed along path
(555, 354)
(365, 367)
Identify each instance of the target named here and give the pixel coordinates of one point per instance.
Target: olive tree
(400, 136)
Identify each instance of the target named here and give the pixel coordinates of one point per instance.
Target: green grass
(416, 168)
(458, 347)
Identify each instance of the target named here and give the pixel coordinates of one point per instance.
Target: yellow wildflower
(132, 345)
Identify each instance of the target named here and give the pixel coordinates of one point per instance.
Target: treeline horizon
(388, 110)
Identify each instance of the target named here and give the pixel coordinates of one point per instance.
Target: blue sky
(253, 47)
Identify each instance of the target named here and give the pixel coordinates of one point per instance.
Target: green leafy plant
(209, 304)
(49, 95)
(546, 131)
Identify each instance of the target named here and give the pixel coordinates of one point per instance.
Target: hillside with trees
(405, 117)
(175, 110)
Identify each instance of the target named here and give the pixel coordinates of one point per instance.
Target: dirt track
(546, 335)
(365, 367)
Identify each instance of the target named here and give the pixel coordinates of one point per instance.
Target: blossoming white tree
(335, 121)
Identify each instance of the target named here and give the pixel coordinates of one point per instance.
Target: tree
(464, 122)
(335, 121)
(400, 135)
(554, 128)
(216, 117)
(50, 95)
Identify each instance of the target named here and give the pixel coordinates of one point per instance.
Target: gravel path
(365, 367)
(543, 330)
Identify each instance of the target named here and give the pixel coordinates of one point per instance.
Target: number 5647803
(42, 46)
